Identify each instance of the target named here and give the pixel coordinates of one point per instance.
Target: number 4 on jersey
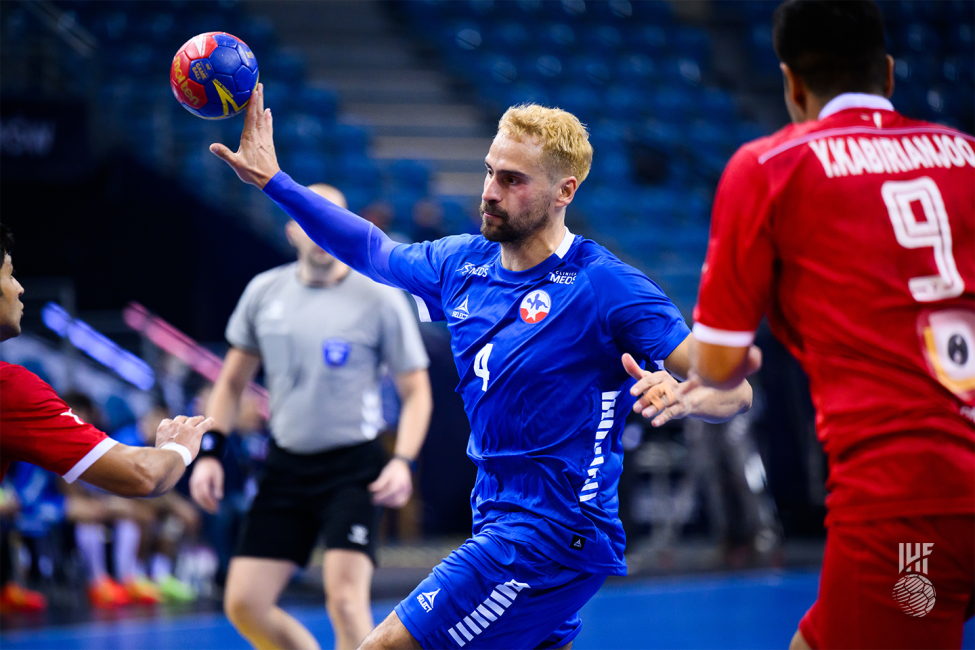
(481, 365)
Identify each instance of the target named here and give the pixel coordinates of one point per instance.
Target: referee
(323, 333)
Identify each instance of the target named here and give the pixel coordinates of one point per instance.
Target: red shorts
(876, 593)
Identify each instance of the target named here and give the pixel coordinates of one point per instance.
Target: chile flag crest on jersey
(535, 306)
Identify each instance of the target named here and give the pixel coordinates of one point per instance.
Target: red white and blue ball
(213, 75)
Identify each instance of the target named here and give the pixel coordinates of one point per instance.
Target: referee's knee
(243, 612)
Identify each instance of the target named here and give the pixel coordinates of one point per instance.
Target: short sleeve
(737, 274)
(636, 313)
(241, 330)
(402, 346)
(417, 268)
(39, 428)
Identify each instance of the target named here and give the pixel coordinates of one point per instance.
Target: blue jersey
(538, 354)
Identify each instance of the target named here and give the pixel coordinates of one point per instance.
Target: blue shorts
(495, 593)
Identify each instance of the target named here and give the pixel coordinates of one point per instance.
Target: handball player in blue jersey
(540, 320)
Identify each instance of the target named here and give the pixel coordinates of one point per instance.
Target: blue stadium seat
(409, 176)
(320, 102)
(602, 40)
(351, 139)
(961, 38)
(582, 101)
(624, 102)
(637, 68)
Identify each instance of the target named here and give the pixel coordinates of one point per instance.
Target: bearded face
(499, 225)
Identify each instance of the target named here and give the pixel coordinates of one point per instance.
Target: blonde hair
(564, 139)
(331, 193)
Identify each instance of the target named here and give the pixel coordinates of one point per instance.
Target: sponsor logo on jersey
(70, 414)
(562, 277)
(607, 416)
(578, 543)
(535, 306)
(462, 312)
(336, 352)
(359, 534)
(477, 271)
(913, 591)
(426, 600)
(481, 617)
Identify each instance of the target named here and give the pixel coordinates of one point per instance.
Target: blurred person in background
(427, 220)
(13, 596)
(854, 230)
(323, 334)
(124, 517)
(39, 428)
(171, 522)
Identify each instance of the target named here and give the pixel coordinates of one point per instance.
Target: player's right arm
(40, 429)
(239, 369)
(348, 237)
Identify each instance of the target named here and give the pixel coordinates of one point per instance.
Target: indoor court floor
(732, 611)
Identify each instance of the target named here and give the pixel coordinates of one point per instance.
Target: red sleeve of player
(737, 273)
(39, 428)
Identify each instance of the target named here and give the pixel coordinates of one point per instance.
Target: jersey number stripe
(481, 365)
(935, 232)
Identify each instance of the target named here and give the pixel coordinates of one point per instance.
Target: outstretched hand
(662, 397)
(255, 162)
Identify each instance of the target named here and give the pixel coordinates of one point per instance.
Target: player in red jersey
(36, 425)
(853, 229)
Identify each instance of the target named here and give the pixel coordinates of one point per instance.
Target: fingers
(656, 400)
(651, 379)
(666, 416)
(632, 368)
(270, 125)
(223, 153)
(260, 99)
(218, 487)
(253, 112)
(754, 363)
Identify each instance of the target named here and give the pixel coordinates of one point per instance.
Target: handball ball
(915, 594)
(213, 75)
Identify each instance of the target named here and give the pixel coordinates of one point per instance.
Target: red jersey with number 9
(855, 233)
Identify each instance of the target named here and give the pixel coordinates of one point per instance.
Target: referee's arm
(394, 486)
(239, 369)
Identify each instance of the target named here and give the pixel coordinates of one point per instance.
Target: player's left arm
(737, 276)
(662, 398)
(394, 486)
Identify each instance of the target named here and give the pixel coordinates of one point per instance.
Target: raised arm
(348, 237)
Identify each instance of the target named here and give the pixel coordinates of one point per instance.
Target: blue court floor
(749, 610)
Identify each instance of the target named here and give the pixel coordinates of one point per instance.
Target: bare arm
(720, 366)
(239, 369)
(414, 418)
(394, 486)
(147, 471)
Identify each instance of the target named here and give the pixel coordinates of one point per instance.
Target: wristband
(409, 462)
(212, 444)
(183, 451)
